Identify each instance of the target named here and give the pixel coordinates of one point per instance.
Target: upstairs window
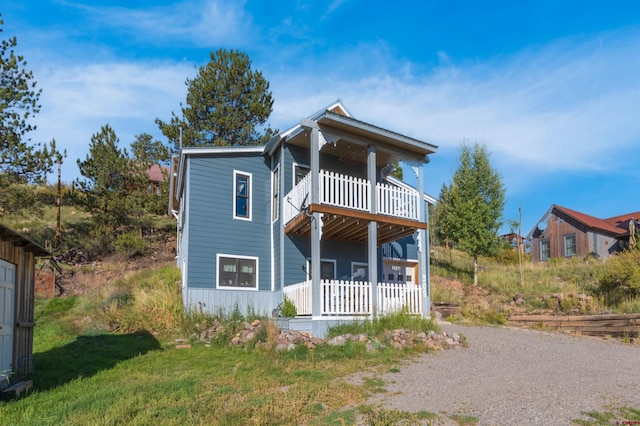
(275, 194)
(570, 245)
(545, 249)
(299, 173)
(242, 195)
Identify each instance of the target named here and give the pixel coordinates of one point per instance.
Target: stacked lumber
(592, 325)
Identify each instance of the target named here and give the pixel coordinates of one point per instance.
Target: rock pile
(286, 340)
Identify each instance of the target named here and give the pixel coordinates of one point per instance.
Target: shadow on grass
(88, 355)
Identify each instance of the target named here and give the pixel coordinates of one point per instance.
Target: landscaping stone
(286, 340)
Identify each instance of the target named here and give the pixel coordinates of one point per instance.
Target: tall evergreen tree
(113, 184)
(473, 205)
(20, 161)
(228, 104)
(148, 153)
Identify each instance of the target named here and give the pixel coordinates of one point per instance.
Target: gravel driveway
(512, 376)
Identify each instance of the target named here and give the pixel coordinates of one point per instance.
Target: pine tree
(148, 153)
(113, 183)
(20, 162)
(228, 104)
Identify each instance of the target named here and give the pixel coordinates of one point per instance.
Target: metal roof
(329, 117)
(19, 240)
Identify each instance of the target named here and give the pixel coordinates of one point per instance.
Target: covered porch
(354, 298)
(344, 205)
(345, 196)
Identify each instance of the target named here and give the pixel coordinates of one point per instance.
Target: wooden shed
(17, 270)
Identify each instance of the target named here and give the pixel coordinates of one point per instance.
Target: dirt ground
(509, 376)
(94, 274)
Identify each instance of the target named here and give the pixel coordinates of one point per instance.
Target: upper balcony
(345, 204)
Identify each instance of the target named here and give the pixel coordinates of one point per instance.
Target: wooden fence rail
(618, 325)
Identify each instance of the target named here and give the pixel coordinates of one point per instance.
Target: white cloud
(79, 100)
(200, 23)
(569, 105)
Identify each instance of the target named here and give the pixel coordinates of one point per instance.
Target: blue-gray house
(312, 216)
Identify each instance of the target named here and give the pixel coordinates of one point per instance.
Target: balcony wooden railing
(347, 298)
(350, 192)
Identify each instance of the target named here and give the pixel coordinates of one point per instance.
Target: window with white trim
(327, 269)
(242, 195)
(275, 194)
(570, 245)
(237, 272)
(359, 271)
(299, 172)
(545, 249)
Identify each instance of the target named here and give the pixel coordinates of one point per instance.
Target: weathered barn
(17, 270)
(563, 232)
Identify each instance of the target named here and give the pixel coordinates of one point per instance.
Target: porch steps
(18, 388)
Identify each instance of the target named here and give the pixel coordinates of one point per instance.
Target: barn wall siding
(23, 305)
(588, 242)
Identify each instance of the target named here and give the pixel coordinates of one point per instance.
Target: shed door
(7, 290)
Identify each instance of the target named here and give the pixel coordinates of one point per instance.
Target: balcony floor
(352, 225)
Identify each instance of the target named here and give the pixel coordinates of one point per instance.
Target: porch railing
(399, 202)
(344, 191)
(350, 192)
(300, 295)
(297, 199)
(354, 297)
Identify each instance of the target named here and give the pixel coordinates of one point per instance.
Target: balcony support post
(423, 240)
(372, 250)
(316, 219)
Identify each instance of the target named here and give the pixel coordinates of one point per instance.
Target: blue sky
(551, 87)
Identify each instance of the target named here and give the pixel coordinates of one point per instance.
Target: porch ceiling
(351, 225)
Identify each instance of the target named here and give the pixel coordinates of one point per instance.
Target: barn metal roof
(19, 240)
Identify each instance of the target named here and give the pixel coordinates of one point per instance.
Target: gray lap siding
(212, 227)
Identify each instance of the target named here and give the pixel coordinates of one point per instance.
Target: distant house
(157, 175)
(513, 239)
(563, 232)
(17, 270)
(312, 216)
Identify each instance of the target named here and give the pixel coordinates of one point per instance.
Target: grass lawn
(85, 374)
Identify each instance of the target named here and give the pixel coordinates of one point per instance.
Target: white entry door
(7, 291)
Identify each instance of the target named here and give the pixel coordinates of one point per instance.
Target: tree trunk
(475, 270)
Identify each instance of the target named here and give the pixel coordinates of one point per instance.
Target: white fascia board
(406, 140)
(295, 130)
(210, 150)
(213, 150)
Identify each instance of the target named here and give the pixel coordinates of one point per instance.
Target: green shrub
(378, 325)
(101, 240)
(130, 245)
(288, 309)
(620, 277)
(509, 256)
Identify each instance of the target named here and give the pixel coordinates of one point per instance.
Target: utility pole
(56, 243)
(520, 246)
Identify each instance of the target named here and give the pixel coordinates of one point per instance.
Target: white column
(372, 248)
(423, 240)
(314, 148)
